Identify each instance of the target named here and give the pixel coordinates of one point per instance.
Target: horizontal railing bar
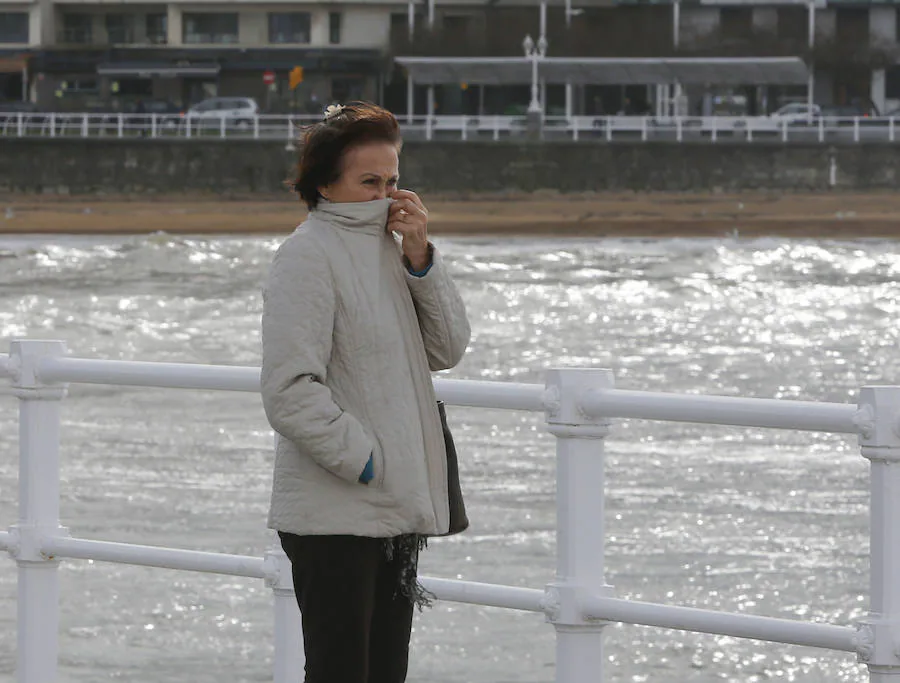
(150, 374)
(487, 594)
(479, 394)
(482, 394)
(722, 410)
(490, 595)
(154, 556)
(769, 629)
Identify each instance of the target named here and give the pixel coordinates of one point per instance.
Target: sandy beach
(839, 215)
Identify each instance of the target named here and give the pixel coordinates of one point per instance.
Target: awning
(149, 70)
(608, 71)
(12, 65)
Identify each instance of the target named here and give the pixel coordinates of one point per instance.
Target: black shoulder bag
(459, 521)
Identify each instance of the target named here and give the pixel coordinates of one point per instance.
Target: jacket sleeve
(441, 313)
(297, 327)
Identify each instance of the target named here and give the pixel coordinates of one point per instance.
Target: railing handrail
(735, 411)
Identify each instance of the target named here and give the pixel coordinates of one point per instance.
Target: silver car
(236, 112)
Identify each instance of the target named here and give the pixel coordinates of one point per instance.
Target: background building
(82, 54)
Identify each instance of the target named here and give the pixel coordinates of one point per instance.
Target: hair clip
(332, 111)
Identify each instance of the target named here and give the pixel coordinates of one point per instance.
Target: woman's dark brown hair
(324, 144)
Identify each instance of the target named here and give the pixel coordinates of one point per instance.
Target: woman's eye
(371, 181)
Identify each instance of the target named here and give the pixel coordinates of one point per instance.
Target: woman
(354, 319)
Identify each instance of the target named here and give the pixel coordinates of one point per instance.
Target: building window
(892, 83)
(13, 27)
(736, 23)
(456, 30)
(157, 28)
(210, 28)
(852, 26)
(78, 86)
(77, 28)
(120, 28)
(347, 89)
(793, 23)
(289, 27)
(334, 27)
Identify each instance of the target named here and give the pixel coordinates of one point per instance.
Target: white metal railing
(578, 404)
(824, 129)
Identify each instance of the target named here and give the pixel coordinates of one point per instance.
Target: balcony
(75, 36)
(120, 36)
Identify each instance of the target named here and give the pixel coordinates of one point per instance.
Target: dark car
(16, 106)
(9, 114)
(140, 114)
(846, 114)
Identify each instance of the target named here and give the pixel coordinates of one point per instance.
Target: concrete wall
(240, 168)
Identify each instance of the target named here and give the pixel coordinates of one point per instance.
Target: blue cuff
(368, 472)
(420, 273)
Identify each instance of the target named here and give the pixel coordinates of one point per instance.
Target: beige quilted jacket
(349, 337)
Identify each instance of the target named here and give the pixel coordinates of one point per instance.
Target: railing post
(120, 126)
(579, 523)
(878, 635)
(288, 658)
(38, 581)
(20, 119)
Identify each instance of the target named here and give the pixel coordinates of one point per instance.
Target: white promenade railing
(284, 127)
(578, 404)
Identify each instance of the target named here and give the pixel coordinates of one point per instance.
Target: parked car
(796, 114)
(236, 112)
(16, 106)
(846, 114)
(140, 112)
(10, 110)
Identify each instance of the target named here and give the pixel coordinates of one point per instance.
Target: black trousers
(356, 623)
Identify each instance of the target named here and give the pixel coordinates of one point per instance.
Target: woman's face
(369, 172)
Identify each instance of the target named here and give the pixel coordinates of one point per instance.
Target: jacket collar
(369, 218)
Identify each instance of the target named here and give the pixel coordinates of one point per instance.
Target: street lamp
(534, 53)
